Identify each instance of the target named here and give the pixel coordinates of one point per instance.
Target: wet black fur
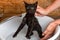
(30, 20)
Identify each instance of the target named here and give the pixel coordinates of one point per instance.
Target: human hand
(49, 31)
(38, 14)
(40, 11)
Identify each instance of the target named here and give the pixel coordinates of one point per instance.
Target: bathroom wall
(16, 7)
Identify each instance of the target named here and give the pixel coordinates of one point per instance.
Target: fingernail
(43, 34)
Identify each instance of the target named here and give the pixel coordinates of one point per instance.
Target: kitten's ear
(35, 3)
(25, 3)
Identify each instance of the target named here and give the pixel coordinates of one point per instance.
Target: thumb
(44, 33)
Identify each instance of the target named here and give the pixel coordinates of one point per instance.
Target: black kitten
(31, 21)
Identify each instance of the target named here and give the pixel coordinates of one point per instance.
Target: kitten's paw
(31, 34)
(28, 37)
(14, 36)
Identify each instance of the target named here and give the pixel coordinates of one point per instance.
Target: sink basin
(9, 27)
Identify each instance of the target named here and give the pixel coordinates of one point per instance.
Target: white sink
(9, 27)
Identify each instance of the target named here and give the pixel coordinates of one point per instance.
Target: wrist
(44, 13)
(57, 21)
(54, 24)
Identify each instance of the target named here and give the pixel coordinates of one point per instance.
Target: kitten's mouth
(31, 11)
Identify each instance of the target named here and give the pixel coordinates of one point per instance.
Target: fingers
(41, 10)
(38, 7)
(38, 14)
(47, 34)
(46, 37)
(49, 31)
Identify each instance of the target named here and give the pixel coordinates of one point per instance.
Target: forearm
(57, 21)
(53, 6)
(50, 8)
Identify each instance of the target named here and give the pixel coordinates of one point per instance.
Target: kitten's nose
(31, 11)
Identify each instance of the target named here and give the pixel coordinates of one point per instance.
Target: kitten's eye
(32, 7)
(27, 7)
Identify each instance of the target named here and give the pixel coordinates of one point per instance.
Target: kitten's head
(31, 8)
